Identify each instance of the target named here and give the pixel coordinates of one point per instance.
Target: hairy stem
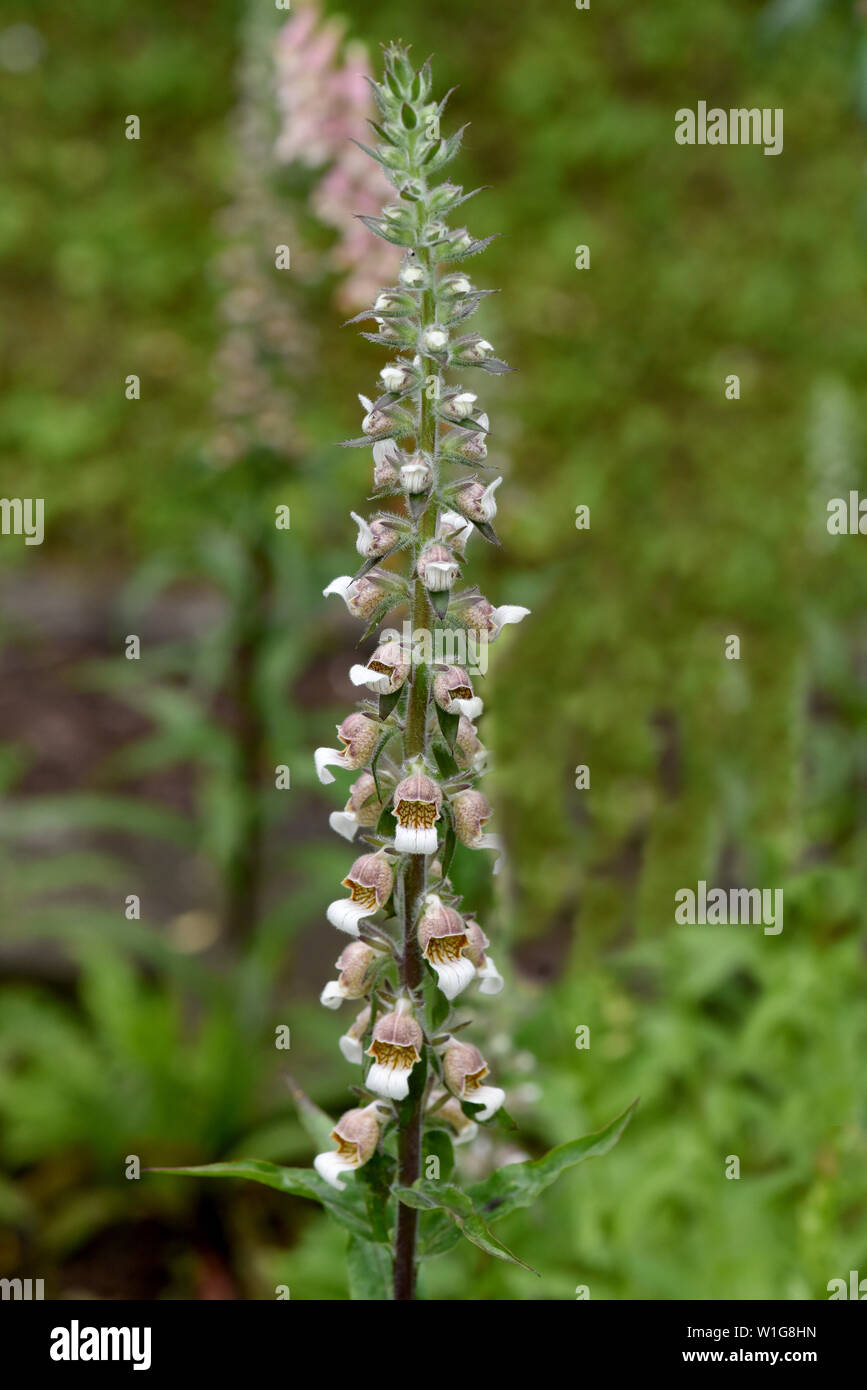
(415, 872)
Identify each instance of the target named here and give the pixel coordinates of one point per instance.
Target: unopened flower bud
(359, 736)
(355, 964)
(455, 285)
(413, 276)
(435, 338)
(370, 881)
(464, 1071)
(437, 567)
(477, 350)
(395, 1049)
(356, 1135)
(395, 377)
(443, 938)
(461, 406)
(417, 802)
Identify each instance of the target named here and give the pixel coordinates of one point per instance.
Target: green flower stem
(415, 872)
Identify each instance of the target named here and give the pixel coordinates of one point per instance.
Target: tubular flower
(472, 811)
(386, 460)
(437, 567)
(361, 596)
(351, 1042)
(465, 1129)
(359, 736)
(355, 964)
(482, 617)
(370, 881)
(443, 938)
(477, 501)
(489, 977)
(455, 530)
(464, 1072)
(375, 538)
(417, 802)
(356, 1135)
(470, 752)
(385, 672)
(453, 692)
(395, 1049)
(362, 810)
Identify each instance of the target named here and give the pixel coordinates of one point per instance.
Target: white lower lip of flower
(489, 841)
(453, 976)
(454, 527)
(487, 501)
(377, 681)
(439, 575)
(351, 1049)
(341, 585)
(435, 338)
(490, 979)
(331, 1166)
(392, 1082)
(491, 1097)
(415, 839)
(345, 915)
(344, 823)
(392, 378)
(462, 406)
(472, 708)
(332, 995)
(414, 477)
(323, 758)
(507, 613)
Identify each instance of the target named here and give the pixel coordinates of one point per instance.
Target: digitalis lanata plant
(412, 948)
(415, 743)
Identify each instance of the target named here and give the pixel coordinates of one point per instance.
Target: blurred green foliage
(707, 518)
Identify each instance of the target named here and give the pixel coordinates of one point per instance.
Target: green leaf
(433, 1196)
(449, 724)
(346, 1207)
(317, 1124)
(370, 1271)
(519, 1184)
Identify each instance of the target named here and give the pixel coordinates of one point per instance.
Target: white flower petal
(345, 915)
(392, 1082)
(487, 501)
(344, 823)
(331, 1166)
(491, 1097)
(491, 842)
(472, 708)
(341, 585)
(323, 758)
(415, 839)
(490, 979)
(385, 451)
(453, 975)
(377, 681)
(507, 613)
(466, 1134)
(351, 1049)
(332, 996)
